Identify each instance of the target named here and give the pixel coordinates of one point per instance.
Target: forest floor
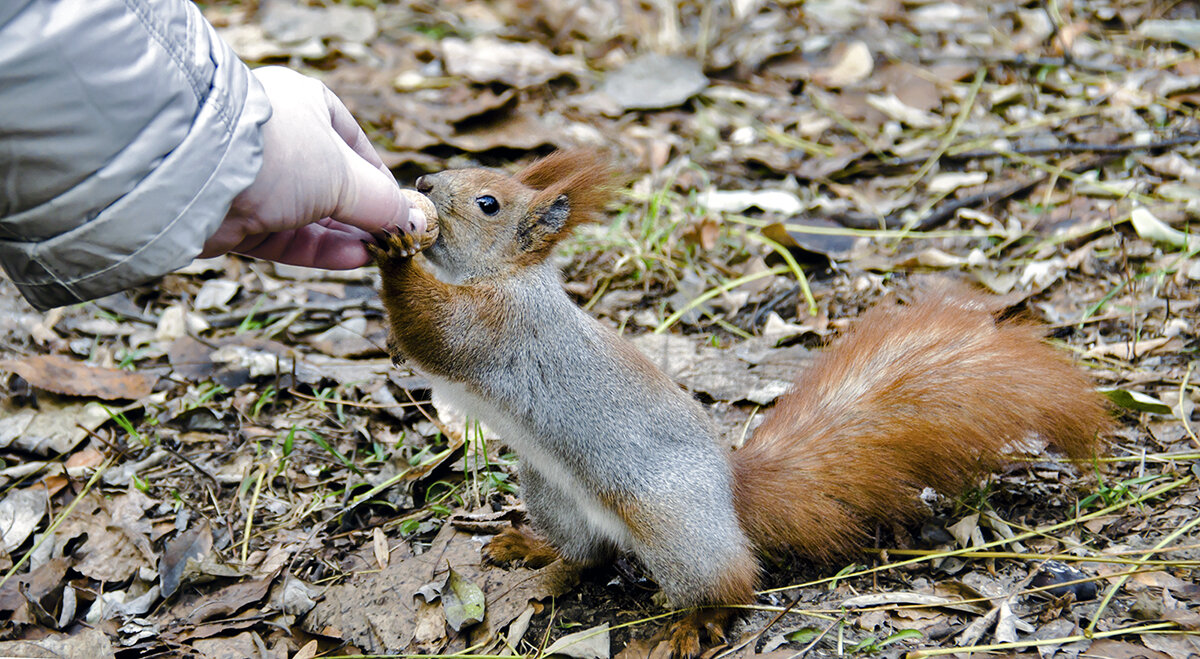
(225, 463)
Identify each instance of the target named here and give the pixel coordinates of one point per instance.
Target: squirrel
(615, 456)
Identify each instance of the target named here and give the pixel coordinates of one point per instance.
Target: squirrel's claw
(393, 243)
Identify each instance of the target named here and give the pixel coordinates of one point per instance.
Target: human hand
(322, 189)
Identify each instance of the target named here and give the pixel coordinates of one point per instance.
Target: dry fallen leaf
(118, 543)
(380, 612)
(64, 375)
(587, 644)
(852, 63)
(379, 545)
(84, 644)
(223, 602)
(20, 512)
(488, 59)
(192, 544)
(653, 82)
(309, 650)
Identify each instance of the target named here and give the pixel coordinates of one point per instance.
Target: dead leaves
(1047, 156)
(518, 65)
(418, 603)
(87, 644)
(654, 82)
(67, 376)
(117, 543)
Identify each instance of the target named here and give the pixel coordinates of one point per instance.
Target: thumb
(371, 199)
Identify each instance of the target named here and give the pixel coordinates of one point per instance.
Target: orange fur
(929, 395)
(423, 312)
(586, 177)
(514, 545)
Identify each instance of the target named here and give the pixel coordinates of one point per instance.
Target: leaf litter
(226, 463)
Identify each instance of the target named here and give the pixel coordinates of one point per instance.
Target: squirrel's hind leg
(557, 516)
(684, 635)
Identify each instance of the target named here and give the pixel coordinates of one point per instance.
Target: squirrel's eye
(488, 204)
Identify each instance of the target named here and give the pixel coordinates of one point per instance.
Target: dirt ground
(225, 463)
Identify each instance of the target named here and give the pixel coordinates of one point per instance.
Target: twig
(890, 165)
(1149, 494)
(949, 210)
(769, 306)
(812, 644)
(1020, 61)
(1183, 416)
(1065, 147)
(1112, 591)
(49, 533)
(189, 463)
(125, 313)
(754, 638)
(1066, 558)
(121, 452)
(1030, 643)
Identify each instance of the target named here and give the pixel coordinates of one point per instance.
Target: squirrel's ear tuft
(586, 176)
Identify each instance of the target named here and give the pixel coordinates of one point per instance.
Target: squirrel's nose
(424, 184)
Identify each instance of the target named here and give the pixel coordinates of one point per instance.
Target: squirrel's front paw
(514, 546)
(395, 244)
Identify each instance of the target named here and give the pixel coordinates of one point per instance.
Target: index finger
(347, 128)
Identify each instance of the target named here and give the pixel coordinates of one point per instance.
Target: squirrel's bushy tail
(925, 395)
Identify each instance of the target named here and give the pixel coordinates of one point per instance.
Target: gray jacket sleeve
(126, 129)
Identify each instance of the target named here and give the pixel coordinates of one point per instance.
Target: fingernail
(416, 221)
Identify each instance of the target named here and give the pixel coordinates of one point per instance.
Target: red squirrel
(614, 456)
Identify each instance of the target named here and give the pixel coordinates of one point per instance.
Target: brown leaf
(36, 584)
(703, 233)
(85, 644)
(191, 544)
(811, 248)
(223, 602)
(238, 647)
(118, 542)
(308, 651)
(380, 611)
(221, 626)
(1185, 618)
(64, 375)
(520, 131)
(191, 359)
(1113, 649)
(379, 544)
